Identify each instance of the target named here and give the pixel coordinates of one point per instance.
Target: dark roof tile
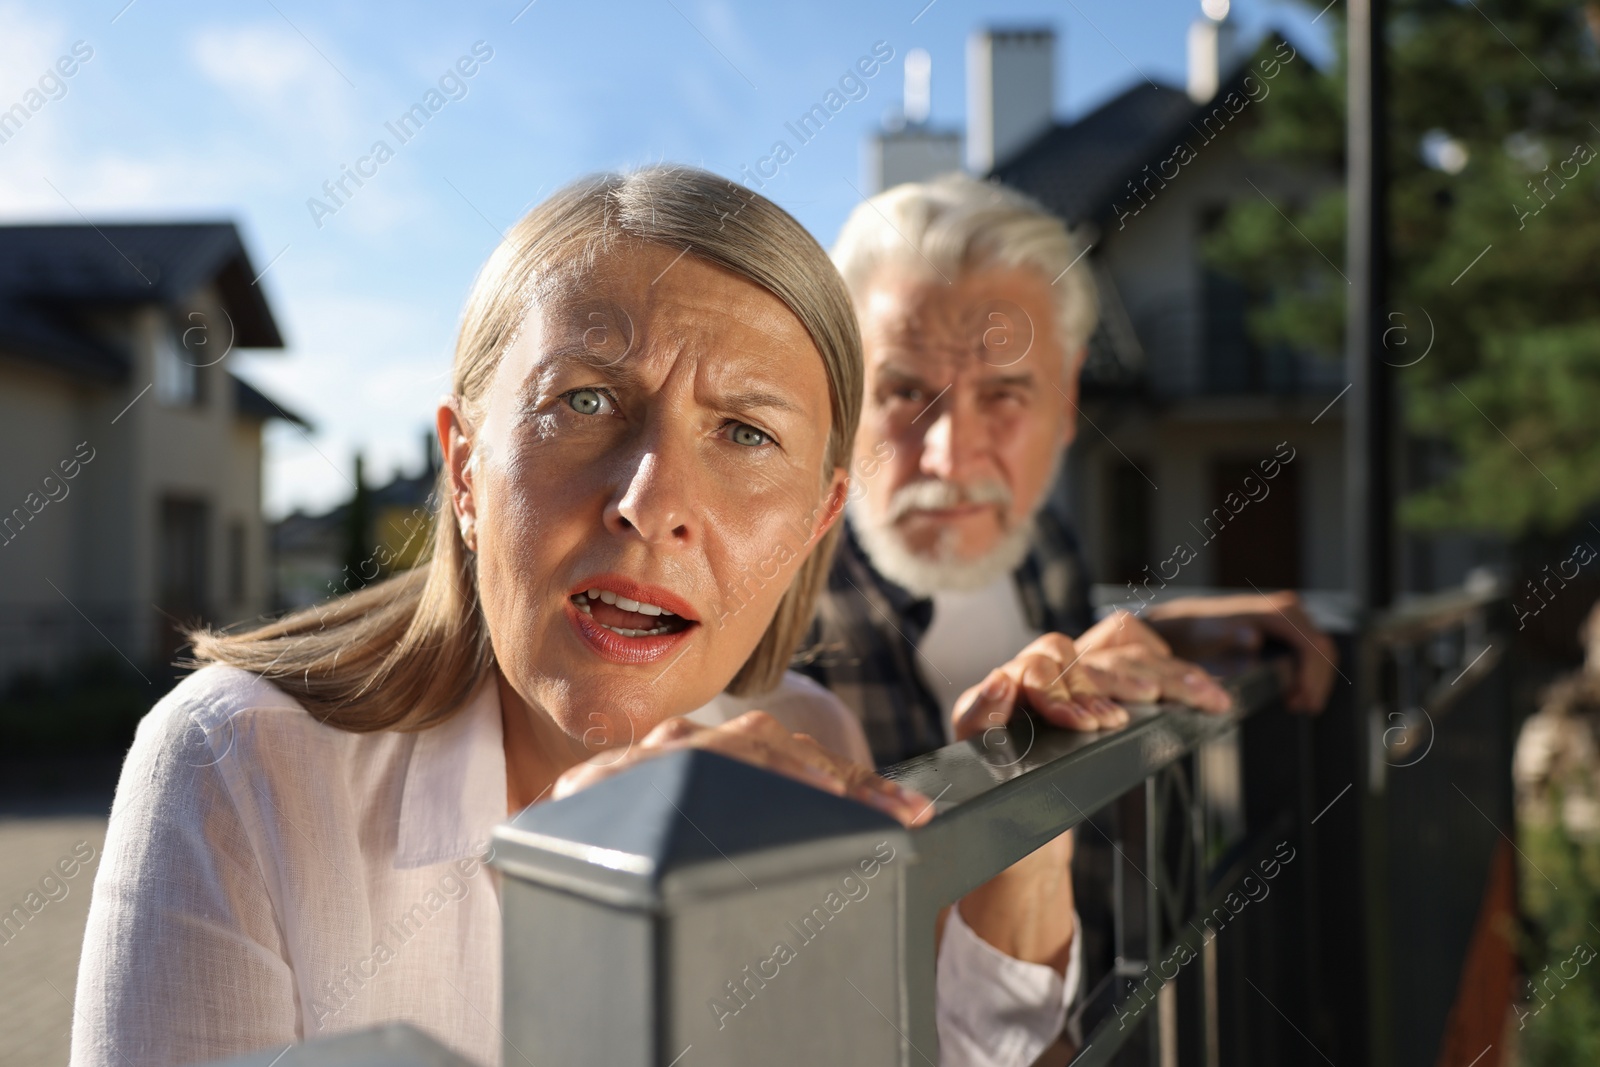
(135, 263)
(251, 402)
(1080, 170)
(1075, 170)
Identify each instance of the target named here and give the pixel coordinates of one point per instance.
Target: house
(131, 496)
(1180, 407)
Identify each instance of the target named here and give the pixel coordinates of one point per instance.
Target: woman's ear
(833, 504)
(455, 446)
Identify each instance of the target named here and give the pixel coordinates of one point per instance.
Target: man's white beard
(940, 570)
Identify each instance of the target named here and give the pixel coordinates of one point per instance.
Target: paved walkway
(39, 957)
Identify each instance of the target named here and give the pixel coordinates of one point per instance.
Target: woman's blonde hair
(406, 653)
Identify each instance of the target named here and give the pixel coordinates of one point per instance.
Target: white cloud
(273, 71)
(29, 45)
(722, 26)
(64, 144)
(261, 62)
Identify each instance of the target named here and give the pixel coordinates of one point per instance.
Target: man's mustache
(936, 494)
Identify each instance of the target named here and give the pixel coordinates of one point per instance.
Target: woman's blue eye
(749, 435)
(587, 401)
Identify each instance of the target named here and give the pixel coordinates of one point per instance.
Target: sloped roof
(54, 279)
(1079, 170)
(1075, 169)
(135, 263)
(51, 277)
(251, 402)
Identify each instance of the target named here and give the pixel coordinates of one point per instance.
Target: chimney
(909, 149)
(918, 86)
(1213, 41)
(1010, 93)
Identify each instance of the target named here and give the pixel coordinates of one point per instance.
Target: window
(179, 382)
(183, 558)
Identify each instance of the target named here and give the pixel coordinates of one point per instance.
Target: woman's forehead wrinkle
(723, 347)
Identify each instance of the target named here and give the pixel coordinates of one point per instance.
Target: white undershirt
(971, 634)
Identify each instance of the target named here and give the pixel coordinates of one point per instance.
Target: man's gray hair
(956, 223)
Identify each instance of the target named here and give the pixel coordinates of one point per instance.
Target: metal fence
(1255, 888)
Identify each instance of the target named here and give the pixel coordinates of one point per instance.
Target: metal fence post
(742, 918)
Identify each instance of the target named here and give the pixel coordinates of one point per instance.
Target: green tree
(359, 564)
(1494, 184)
(1559, 1013)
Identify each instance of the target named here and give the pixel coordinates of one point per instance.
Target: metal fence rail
(1238, 877)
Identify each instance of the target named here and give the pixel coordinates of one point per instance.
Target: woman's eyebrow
(748, 399)
(550, 362)
(586, 356)
(732, 400)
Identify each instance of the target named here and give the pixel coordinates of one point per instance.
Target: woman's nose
(656, 501)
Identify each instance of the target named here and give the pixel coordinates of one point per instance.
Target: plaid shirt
(863, 643)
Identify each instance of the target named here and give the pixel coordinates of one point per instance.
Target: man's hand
(1074, 684)
(1204, 627)
(1140, 663)
(1049, 676)
(760, 740)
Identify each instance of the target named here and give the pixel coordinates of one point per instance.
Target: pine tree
(359, 565)
(1494, 186)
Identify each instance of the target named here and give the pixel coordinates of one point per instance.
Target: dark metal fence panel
(1440, 793)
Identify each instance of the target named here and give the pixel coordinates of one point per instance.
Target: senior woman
(655, 388)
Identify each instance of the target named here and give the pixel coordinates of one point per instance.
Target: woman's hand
(758, 739)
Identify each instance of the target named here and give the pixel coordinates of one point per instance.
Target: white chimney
(1010, 93)
(1213, 41)
(918, 86)
(912, 150)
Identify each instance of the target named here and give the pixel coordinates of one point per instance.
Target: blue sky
(243, 111)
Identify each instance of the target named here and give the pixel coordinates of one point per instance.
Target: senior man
(956, 594)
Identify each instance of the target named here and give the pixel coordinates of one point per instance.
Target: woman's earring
(469, 535)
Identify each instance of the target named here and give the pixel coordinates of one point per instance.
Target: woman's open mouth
(626, 622)
(630, 618)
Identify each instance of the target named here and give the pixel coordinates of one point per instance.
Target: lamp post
(1369, 422)
(1369, 488)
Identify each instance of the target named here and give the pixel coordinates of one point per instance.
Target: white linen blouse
(268, 879)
